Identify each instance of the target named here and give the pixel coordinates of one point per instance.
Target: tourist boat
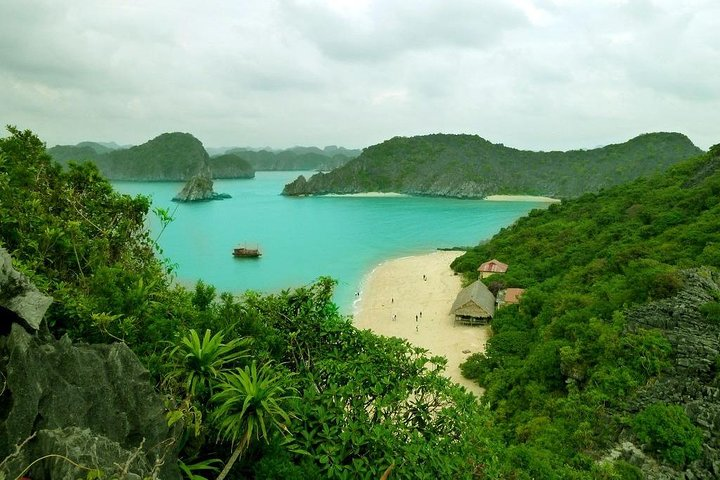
(244, 252)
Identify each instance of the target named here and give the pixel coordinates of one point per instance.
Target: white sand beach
(366, 194)
(395, 292)
(520, 198)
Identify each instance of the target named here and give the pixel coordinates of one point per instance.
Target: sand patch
(410, 298)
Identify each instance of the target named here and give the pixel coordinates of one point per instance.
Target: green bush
(667, 430)
(712, 312)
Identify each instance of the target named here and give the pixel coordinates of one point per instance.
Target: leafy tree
(197, 364)
(252, 403)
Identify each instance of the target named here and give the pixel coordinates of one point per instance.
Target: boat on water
(244, 252)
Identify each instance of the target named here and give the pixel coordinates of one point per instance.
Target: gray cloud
(542, 74)
(388, 29)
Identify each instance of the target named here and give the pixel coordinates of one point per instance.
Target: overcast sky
(532, 74)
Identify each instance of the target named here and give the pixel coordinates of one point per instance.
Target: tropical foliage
(283, 386)
(327, 400)
(563, 368)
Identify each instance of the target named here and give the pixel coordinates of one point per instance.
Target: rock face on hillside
(199, 189)
(693, 380)
(94, 404)
(231, 166)
(20, 301)
(71, 396)
(467, 166)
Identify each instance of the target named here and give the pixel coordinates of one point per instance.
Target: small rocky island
(199, 189)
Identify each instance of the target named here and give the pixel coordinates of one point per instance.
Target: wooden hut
(474, 305)
(491, 267)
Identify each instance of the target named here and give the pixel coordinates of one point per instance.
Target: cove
(307, 237)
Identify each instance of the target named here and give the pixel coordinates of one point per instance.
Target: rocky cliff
(199, 189)
(693, 378)
(89, 406)
(467, 166)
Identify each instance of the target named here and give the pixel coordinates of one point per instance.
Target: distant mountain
(168, 157)
(231, 165)
(297, 158)
(80, 153)
(467, 166)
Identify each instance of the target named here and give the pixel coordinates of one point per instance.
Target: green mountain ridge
(297, 158)
(617, 332)
(468, 166)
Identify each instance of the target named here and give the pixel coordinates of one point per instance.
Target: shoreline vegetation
(410, 298)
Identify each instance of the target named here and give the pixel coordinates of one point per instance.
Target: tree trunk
(233, 458)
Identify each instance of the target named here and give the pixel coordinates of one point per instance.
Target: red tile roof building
(512, 295)
(491, 267)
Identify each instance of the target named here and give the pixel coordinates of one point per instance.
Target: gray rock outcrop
(21, 298)
(101, 392)
(199, 189)
(81, 447)
(693, 379)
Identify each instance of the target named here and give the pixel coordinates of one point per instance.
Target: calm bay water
(305, 238)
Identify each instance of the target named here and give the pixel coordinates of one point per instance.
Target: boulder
(55, 385)
(299, 186)
(79, 451)
(199, 189)
(20, 297)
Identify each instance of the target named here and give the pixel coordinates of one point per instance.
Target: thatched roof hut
(475, 304)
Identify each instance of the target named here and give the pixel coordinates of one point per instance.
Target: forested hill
(468, 166)
(613, 349)
(168, 157)
(297, 158)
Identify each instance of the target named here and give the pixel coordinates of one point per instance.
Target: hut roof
(494, 266)
(478, 294)
(512, 295)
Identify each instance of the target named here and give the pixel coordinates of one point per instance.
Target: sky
(531, 74)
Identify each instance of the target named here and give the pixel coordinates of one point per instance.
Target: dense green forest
(468, 166)
(617, 336)
(599, 353)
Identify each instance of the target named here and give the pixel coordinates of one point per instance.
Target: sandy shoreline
(366, 194)
(394, 295)
(520, 198)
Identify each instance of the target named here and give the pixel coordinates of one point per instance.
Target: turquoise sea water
(304, 238)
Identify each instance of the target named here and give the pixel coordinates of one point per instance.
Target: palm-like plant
(251, 403)
(197, 363)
